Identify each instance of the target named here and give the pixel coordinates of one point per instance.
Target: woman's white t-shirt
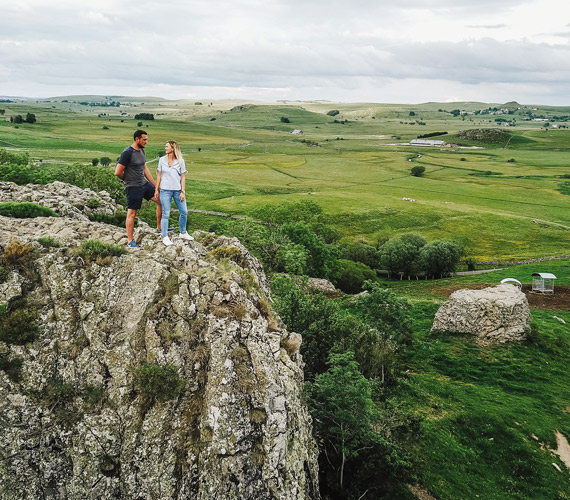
(170, 178)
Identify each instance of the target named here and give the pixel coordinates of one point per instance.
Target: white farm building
(426, 142)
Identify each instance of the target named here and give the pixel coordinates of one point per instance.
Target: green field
(474, 422)
(499, 201)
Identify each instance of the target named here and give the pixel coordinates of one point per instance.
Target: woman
(171, 183)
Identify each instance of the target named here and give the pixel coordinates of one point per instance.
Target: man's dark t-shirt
(134, 162)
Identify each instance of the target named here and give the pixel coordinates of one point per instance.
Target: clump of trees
(412, 256)
(353, 355)
(144, 116)
(30, 118)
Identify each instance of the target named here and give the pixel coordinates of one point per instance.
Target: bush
(155, 382)
(17, 252)
(18, 326)
(284, 119)
(105, 161)
(11, 366)
(95, 162)
(333, 112)
(49, 242)
(418, 171)
(350, 276)
(95, 250)
(117, 219)
(7, 157)
(93, 203)
(25, 210)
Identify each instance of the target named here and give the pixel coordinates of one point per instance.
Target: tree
(95, 162)
(399, 256)
(418, 171)
(284, 119)
(105, 161)
(440, 258)
(17, 119)
(30, 118)
(333, 112)
(2, 111)
(343, 411)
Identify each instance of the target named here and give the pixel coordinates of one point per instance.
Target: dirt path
(563, 450)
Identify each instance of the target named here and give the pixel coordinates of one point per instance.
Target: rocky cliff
(159, 374)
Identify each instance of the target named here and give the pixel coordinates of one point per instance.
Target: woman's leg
(165, 202)
(183, 209)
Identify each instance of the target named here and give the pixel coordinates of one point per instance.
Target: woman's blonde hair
(177, 153)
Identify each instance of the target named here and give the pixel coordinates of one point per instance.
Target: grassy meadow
(476, 422)
(499, 201)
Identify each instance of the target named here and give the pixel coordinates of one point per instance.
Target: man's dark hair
(139, 133)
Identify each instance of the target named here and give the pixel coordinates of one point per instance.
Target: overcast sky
(403, 51)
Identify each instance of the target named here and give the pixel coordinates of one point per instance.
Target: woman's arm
(157, 185)
(182, 187)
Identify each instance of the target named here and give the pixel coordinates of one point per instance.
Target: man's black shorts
(135, 195)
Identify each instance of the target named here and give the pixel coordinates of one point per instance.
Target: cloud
(488, 26)
(328, 49)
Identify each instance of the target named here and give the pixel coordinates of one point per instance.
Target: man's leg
(130, 223)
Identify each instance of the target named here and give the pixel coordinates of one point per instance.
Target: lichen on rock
(79, 422)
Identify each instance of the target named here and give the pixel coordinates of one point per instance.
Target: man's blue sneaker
(132, 244)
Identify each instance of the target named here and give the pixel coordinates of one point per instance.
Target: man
(138, 180)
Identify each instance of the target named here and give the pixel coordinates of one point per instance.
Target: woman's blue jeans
(166, 196)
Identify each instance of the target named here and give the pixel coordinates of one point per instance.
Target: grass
(488, 415)
(247, 158)
(484, 418)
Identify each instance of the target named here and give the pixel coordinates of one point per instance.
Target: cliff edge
(162, 373)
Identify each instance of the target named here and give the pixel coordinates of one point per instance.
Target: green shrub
(418, 171)
(95, 162)
(350, 276)
(155, 382)
(333, 112)
(93, 203)
(284, 119)
(7, 157)
(49, 242)
(25, 210)
(11, 366)
(59, 397)
(117, 219)
(18, 325)
(95, 249)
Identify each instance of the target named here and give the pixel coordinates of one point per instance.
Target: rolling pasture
(501, 201)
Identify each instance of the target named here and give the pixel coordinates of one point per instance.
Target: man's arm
(120, 171)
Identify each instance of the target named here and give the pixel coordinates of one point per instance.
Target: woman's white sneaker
(166, 241)
(186, 236)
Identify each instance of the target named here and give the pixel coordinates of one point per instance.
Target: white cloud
(360, 50)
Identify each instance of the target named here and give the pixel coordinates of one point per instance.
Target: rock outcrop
(162, 373)
(495, 314)
(66, 200)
